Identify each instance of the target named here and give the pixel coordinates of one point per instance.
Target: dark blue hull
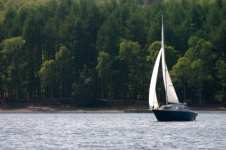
(175, 115)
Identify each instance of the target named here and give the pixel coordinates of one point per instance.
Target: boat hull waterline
(175, 115)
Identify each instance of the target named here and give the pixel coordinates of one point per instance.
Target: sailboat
(173, 110)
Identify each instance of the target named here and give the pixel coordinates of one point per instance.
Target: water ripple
(113, 131)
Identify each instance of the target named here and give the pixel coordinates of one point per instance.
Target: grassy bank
(50, 108)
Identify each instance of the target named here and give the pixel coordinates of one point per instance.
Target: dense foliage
(96, 49)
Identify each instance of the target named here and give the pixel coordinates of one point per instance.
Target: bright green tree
(14, 67)
(104, 72)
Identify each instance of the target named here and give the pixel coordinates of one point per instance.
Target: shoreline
(54, 109)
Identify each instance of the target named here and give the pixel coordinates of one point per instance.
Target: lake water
(114, 131)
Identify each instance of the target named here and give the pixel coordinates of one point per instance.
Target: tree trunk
(200, 96)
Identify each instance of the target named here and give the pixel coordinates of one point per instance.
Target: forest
(65, 51)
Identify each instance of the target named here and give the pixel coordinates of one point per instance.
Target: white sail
(171, 95)
(153, 102)
(169, 88)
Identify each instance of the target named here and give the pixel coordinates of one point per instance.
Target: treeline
(96, 49)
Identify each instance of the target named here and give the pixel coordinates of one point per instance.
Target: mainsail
(171, 95)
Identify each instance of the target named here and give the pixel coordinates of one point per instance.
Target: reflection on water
(110, 131)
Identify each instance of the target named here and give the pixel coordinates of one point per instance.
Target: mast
(163, 49)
